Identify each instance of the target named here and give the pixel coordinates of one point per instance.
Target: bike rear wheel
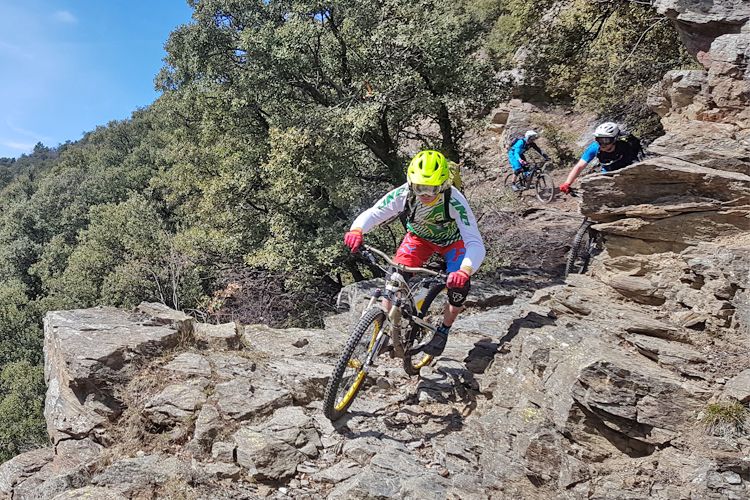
(417, 335)
(545, 188)
(349, 374)
(580, 250)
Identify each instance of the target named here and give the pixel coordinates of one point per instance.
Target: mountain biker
(516, 153)
(614, 150)
(438, 220)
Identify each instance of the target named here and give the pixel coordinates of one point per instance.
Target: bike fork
(394, 316)
(380, 341)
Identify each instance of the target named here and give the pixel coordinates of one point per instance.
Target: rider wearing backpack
(438, 219)
(614, 150)
(517, 150)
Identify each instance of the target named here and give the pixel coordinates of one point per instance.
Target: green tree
(289, 114)
(600, 56)
(126, 256)
(22, 425)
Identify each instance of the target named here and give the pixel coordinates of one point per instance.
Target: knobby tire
(545, 188)
(572, 265)
(333, 408)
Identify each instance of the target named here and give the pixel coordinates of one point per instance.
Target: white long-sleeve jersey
(429, 222)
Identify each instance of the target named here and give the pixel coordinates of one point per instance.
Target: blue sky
(67, 66)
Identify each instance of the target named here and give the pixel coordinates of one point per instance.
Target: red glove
(565, 187)
(457, 279)
(353, 239)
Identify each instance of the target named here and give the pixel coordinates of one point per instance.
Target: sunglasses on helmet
(603, 141)
(424, 190)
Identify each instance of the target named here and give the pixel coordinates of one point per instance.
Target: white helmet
(607, 129)
(531, 135)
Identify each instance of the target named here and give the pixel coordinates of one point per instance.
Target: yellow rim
(351, 392)
(357, 365)
(424, 362)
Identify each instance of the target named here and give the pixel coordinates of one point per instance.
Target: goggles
(425, 190)
(604, 141)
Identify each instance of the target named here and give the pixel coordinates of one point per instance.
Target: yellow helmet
(428, 168)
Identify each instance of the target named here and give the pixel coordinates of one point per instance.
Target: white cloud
(15, 51)
(65, 17)
(21, 131)
(19, 146)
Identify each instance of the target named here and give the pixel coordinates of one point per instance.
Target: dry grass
(725, 419)
(176, 489)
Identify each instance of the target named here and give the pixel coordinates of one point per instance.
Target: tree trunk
(448, 145)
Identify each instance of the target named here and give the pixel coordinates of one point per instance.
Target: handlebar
(368, 251)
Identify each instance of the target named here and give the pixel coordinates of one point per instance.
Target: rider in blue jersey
(613, 149)
(516, 154)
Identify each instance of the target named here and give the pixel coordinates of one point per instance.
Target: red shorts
(415, 251)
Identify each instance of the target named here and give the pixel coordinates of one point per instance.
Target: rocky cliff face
(629, 382)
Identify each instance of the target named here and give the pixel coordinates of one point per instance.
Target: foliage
(324, 99)
(22, 424)
(601, 56)
(559, 140)
(725, 418)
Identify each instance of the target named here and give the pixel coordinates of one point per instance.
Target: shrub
(725, 418)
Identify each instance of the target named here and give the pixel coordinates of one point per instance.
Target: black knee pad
(457, 296)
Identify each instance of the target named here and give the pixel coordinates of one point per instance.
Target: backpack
(411, 207)
(631, 153)
(635, 145)
(510, 140)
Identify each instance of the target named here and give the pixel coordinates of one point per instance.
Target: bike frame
(401, 296)
(535, 169)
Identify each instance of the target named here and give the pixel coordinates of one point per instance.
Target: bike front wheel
(545, 188)
(580, 250)
(350, 373)
(430, 310)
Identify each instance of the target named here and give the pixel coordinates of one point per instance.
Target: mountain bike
(587, 243)
(533, 176)
(400, 330)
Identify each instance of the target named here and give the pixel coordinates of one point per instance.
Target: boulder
(175, 403)
(738, 387)
(19, 468)
(128, 475)
(224, 336)
(207, 426)
(190, 364)
(80, 395)
(245, 399)
(700, 22)
(292, 426)
(265, 458)
(89, 493)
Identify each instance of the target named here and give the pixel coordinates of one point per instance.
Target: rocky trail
(631, 381)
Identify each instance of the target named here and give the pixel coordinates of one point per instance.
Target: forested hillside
(278, 122)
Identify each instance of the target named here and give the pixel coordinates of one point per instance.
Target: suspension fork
(394, 316)
(382, 337)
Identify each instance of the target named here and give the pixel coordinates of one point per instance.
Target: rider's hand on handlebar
(353, 239)
(457, 279)
(565, 187)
